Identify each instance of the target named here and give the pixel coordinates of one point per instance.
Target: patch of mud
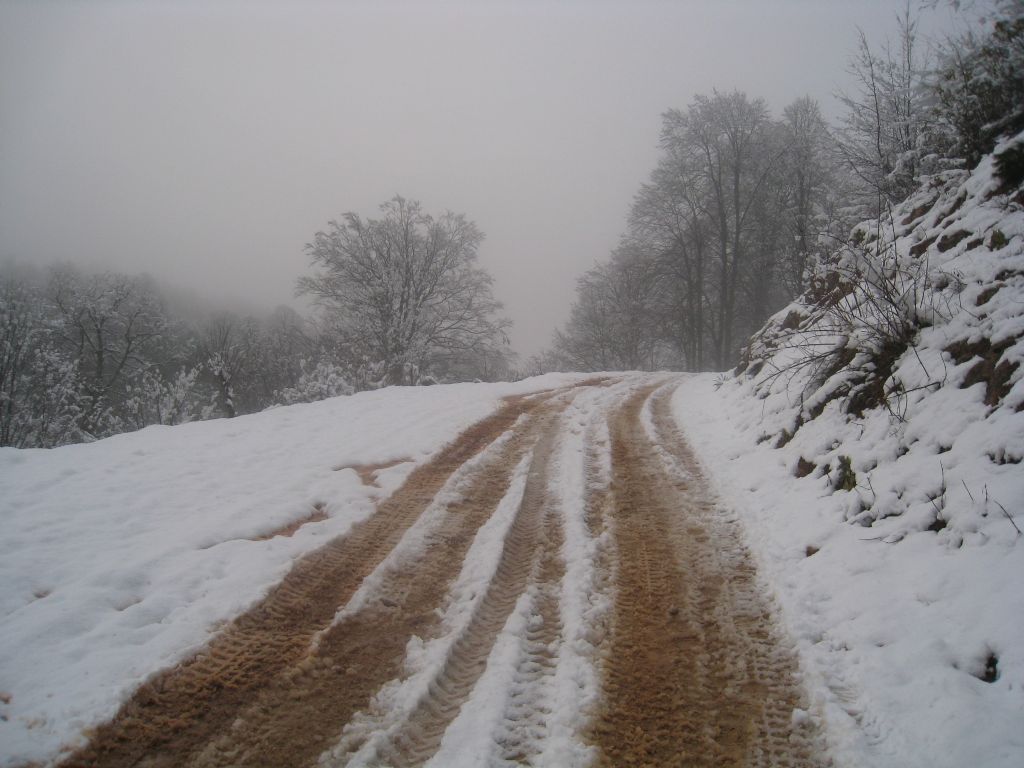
(318, 515)
(696, 673)
(368, 472)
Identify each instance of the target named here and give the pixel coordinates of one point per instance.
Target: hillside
(873, 438)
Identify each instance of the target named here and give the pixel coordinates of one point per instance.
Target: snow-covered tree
(152, 398)
(980, 85)
(405, 288)
(109, 325)
(41, 397)
(20, 327)
(318, 381)
(815, 192)
(226, 350)
(887, 117)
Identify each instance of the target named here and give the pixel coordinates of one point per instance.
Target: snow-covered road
(555, 586)
(543, 573)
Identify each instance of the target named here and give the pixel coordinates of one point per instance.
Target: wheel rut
(216, 708)
(528, 709)
(296, 717)
(529, 557)
(696, 673)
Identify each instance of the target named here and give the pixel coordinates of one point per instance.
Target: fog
(206, 143)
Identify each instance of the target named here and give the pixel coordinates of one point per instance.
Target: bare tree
(718, 238)
(614, 321)
(728, 139)
(406, 287)
(283, 349)
(886, 116)
(669, 217)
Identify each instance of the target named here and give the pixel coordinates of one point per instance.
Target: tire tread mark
(695, 674)
(527, 709)
(181, 709)
(421, 735)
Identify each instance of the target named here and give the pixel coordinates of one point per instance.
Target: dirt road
(557, 587)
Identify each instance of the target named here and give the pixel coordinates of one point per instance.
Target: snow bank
(121, 557)
(885, 510)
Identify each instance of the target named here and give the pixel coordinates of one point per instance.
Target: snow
(414, 541)
(903, 594)
(893, 634)
(899, 591)
(122, 557)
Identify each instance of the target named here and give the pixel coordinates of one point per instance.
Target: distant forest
(744, 209)
(741, 213)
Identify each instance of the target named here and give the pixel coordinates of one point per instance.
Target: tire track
(178, 713)
(696, 673)
(693, 669)
(540, 662)
(295, 718)
(548, 694)
(528, 709)
(526, 552)
(759, 664)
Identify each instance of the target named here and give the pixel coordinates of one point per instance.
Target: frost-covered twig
(1005, 512)
(1008, 516)
(968, 490)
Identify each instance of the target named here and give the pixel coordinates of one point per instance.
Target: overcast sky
(207, 142)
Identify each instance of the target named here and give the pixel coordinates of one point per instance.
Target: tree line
(744, 207)
(400, 300)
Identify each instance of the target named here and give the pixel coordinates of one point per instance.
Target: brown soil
(695, 674)
(368, 472)
(319, 514)
(253, 696)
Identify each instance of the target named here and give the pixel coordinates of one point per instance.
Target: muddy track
(300, 713)
(525, 552)
(527, 710)
(217, 707)
(693, 670)
(695, 674)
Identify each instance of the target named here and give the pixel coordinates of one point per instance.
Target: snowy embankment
(882, 487)
(121, 557)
